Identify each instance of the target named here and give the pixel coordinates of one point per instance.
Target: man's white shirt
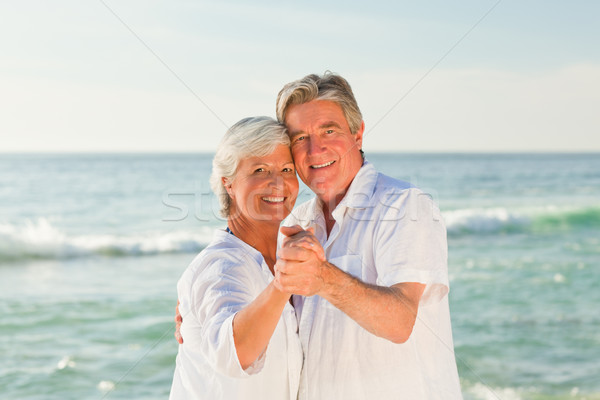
(386, 232)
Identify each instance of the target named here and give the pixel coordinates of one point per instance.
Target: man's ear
(358, 136)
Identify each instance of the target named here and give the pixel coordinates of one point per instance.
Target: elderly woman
(239, 329)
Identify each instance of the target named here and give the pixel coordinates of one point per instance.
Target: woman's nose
(276, 180)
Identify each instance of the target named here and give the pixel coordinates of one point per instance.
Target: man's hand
(387, 312)
(301, 264)
(298, 237)
(178, 321)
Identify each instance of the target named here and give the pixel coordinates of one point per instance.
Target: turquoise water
(91, 247)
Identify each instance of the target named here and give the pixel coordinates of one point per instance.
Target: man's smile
(327, 164)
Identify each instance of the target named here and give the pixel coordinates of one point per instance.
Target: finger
(305, 244)
(289, 284)
(295, 253)
(299, 238)
(314, 247)
(318, 250)
(178, 337)
(302, 251)
(307, 240)
(178, 318)
(277, 282)
(290, 268)
(304, 235)
(278, 285)
(291, 230)
(178, 322)
(282, 267)
(304, 241)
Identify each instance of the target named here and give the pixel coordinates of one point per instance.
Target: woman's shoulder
(221, 254)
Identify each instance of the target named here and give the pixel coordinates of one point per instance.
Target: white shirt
(386, 232)
(225, 277)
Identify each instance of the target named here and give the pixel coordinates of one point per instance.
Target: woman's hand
(178, 321)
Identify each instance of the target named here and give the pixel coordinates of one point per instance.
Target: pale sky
(75, 75)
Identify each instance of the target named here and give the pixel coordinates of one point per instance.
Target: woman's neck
(262, 235)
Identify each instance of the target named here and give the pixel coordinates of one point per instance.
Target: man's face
(326, 154)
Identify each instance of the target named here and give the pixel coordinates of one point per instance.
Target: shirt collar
(359, 193)
(361, 189)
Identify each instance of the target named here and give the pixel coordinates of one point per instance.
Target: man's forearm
(387, 312)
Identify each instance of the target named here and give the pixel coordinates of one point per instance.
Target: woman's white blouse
(225, 277)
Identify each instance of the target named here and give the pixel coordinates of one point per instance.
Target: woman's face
(264, 188)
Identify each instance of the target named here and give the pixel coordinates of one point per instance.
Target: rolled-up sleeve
(217, 294)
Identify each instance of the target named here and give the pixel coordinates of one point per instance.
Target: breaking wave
(502, 220)
(39, 239)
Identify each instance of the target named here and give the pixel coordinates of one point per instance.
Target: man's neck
(328, 207)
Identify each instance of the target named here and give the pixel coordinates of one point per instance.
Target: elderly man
(370, 276)
(366, 259)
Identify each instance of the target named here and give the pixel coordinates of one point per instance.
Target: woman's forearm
(254, 325)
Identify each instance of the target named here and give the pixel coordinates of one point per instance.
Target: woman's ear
(227, 185)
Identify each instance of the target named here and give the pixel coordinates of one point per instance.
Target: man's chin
(317, 184)
(321, 190)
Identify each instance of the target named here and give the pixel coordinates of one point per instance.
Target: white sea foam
(481, 220)
(499, 220)
(66, 362)
(483, 392)
(105, 386)
(40, 239)
(559, 278)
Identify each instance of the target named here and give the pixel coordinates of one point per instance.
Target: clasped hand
(301, 263)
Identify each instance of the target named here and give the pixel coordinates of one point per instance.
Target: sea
(92, 246)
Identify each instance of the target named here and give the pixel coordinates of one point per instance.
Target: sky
(171, 76)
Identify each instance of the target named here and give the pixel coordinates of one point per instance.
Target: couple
(363, 264)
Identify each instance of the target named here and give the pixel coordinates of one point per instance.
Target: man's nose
(315, 145)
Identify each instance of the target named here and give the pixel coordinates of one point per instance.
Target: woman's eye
(288, 170)
(259, 170)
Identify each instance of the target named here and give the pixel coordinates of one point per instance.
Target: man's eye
(329, 131)
(299, 138)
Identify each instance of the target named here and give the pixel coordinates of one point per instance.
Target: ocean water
(91, 248)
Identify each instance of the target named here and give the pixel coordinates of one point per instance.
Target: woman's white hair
(250, 137)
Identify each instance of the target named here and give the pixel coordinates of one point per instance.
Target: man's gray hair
(250, 137)
(329, 87)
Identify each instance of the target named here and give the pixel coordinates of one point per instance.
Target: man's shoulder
(385, 182)
(395, 195)
(369, 176)
(386, 185)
